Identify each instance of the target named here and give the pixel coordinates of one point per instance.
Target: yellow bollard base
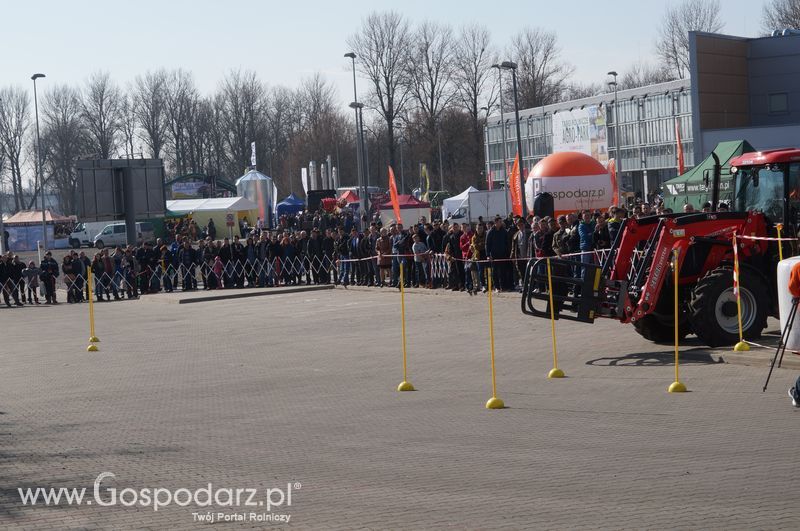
(495, 403)
(556, 373)
(677, 387)
(741, 346)
(405, 386)
(94, 339)
(92, 348)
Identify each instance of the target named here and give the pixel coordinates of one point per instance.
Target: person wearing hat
(49, 275)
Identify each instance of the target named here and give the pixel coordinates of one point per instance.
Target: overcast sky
(288, 40)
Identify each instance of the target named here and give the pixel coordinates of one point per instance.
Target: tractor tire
(714, 311)
(658, 330)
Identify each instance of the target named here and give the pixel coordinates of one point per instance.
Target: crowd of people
(320, 248)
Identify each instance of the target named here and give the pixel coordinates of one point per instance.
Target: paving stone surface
(299, 389)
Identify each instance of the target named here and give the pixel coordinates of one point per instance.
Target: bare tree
(475, 84)
(673, 41)
(642, 73)
(382, 46)
(181, 94)
(243, 102)
(430, 68)
(100, 109)
(64, 140)
(150, 105)
(541, 74)
(128, 124)
(576, 91)
(15, 120)
(780, 14)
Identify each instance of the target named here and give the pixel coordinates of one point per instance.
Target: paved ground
(299, 388)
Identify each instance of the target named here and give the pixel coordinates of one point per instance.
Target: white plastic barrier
(785, 302)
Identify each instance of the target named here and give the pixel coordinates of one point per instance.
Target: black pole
(519, 146)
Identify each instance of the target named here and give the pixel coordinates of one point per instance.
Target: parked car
(84, 233)
(114, 234)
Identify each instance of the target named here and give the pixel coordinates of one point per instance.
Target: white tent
(217, 209)
(451, 204)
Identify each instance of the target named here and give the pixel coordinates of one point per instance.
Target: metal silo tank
(257, 187)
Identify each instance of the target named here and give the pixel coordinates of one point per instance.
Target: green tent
(691, 186)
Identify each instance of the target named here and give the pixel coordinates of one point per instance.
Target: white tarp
(230, 204)
(452, 204)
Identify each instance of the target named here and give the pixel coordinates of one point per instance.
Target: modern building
(740, 89)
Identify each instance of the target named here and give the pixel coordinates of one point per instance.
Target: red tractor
(634, 283)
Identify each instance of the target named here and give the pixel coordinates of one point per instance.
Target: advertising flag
(253, 154)
(612, 171)
(304, 179)
(513, 183)
(393, 196)
(423, 171)
(679, 147)
(489, 180)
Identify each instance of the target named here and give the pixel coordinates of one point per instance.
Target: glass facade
(639, 133)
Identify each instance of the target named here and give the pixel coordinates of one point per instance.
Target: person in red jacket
(466, 252)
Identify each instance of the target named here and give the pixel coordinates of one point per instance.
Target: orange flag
(393, 196)
(679, 147)
(513, 184)
(612, 171)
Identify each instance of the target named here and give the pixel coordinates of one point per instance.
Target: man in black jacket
(452, 250)
(314, 255)
(239, 257)
(9, 286)
(328, 253)
(50, 272)
(498, 251)
(187, 258)
(226, 257)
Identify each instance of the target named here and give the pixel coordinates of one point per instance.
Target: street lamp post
(439, 140)
(617, 156)
(38, 164)
(402, 171)
(510, 65)
(503, 132)
(356, 106)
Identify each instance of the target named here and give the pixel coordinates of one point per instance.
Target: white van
(114, 234)
(84, 233)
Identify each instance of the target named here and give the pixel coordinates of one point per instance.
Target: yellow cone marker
(494, 402)
(676, 386)
(92, 337)
(555, 372)
(405, 385)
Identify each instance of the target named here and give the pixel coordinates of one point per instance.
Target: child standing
(31, 275)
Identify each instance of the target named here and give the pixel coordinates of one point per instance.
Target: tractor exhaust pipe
(715, 182)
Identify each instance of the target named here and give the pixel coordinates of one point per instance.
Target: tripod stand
(784, 337)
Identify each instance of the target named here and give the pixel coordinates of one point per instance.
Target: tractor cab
(769, 182)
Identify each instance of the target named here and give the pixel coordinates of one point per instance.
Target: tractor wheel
(654, 328)
(714, 311)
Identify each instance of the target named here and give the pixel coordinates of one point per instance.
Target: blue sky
(288, 40)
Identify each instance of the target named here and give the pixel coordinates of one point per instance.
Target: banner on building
(582, 130)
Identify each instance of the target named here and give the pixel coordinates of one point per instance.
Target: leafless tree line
(428, 88)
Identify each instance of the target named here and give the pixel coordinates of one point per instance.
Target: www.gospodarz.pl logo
(158, 497)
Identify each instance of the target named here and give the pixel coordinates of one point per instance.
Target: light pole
(617, 157)
(399, 126)
(503, 132)
(510, 65)
(38, 164)
(439, 140)
(356, 106)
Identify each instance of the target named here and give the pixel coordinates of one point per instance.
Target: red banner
(679, 147)
(393, 196)
(490, 180)
(513, 184)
